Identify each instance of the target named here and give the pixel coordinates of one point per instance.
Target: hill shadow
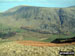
(64, 40)
(6, 35)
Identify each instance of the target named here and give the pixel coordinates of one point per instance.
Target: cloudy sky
(6, 4)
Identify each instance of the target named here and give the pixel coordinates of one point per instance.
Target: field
(16, 49)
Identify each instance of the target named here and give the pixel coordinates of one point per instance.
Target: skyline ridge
(6, 4)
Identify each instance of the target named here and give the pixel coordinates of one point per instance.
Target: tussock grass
(14, 49)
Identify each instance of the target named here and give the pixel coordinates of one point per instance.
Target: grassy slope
(29, 35)
(53, 37)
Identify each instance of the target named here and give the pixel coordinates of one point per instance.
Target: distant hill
(72, 6)
(50, 20)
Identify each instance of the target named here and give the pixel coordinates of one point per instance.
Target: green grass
(53, 37)
(32, 38)
(29, 35)
(4, 41)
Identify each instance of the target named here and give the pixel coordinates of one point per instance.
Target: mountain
(40, 19)
(72, 6)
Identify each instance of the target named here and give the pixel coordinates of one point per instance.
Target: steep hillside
(49, 20)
